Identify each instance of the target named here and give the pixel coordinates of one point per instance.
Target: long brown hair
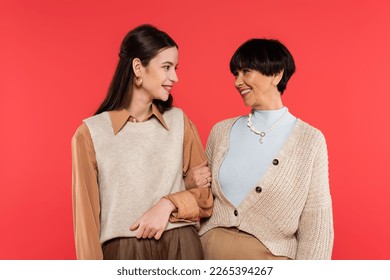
(143, 42)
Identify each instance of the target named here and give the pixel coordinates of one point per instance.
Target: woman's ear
(136, 63)
(277, 77)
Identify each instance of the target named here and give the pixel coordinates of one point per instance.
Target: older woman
(269, 169)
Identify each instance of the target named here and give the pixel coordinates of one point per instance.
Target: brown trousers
(234, 244)
(176, 244)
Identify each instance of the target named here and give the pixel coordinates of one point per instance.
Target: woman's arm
(197, 201)
(85, 196)
(315, 233)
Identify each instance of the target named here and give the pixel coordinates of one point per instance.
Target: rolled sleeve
(186, 205)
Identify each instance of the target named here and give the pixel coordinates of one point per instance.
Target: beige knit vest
(136, 167)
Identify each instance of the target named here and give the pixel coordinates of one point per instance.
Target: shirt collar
(120, 117)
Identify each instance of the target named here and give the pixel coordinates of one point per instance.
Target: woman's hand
(154, 221)
(198, 177)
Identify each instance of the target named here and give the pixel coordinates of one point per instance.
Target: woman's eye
(166, 67)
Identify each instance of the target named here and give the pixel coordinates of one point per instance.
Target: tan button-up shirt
(191, 204)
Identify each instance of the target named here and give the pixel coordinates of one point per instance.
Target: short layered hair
(268, 56)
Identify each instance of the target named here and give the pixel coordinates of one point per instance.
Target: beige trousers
(234, 244)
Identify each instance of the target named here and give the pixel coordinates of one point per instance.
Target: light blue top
(247, 160)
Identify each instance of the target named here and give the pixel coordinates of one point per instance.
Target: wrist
(168, 204)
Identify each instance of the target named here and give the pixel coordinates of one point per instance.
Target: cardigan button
(235, 213)
(258, 189)
(275, 162)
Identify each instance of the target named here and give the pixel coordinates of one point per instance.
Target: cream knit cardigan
(290, 209)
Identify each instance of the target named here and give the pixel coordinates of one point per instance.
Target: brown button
(258, 189)
(235, 213)
(275, 162)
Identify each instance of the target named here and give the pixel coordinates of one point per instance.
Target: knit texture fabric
(289, 209)
(136, 168)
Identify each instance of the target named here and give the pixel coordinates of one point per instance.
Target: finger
(208, 179)
(135, 225)
(152, 233)
(146, 233)
(158, 234)
(140, 232)
(204, 171)
(200, 181)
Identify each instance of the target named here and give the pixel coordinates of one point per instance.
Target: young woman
(269, 169)
(131, 199)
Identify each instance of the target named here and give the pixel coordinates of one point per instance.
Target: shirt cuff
(186, 205)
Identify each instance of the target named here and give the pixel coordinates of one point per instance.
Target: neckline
(287, 146)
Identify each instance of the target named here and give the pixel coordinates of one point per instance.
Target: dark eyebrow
(170, 64)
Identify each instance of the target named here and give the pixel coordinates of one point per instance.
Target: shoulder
(85, 130)
(221, 129)
(100, 123)
(180, 113)
(310, 129)
(82, 134)
(174, 111)
(309, 133)
(174, 114)
(97, 118)
(224, 124)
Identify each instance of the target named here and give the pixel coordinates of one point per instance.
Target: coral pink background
(58, 57)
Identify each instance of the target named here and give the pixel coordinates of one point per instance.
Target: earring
(138, 81)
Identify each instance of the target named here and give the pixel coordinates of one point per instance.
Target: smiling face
(257, 90)
(160, 75)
